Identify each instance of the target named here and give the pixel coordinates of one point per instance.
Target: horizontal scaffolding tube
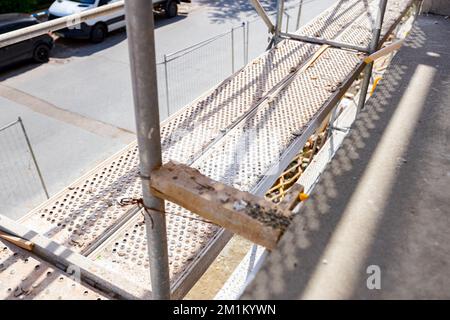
(16, 36)
(323, 41)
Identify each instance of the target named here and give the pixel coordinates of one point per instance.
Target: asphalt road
(78, 107)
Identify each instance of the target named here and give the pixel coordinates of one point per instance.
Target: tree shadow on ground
(223, 10)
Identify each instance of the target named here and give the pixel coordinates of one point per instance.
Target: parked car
(37, 48)
(97, 29)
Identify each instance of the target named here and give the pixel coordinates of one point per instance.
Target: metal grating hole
(88, 208)
(126, 252)
(266, 135)
(206, 119)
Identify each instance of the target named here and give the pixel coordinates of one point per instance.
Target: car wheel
(98, 33)
(41, 53)
(171, 9)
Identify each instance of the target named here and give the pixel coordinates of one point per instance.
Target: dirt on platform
(220, 270)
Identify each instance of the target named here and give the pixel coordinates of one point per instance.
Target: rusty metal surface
(209, 134)
(23, 276)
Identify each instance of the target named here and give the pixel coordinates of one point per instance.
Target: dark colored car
(37, 48)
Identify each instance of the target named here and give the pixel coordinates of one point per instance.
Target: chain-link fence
(186, 74)
(21, 184)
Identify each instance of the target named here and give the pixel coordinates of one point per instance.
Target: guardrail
(16, 36)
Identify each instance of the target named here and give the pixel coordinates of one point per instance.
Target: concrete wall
(437, 6)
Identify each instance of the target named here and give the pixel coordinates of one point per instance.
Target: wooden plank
(21, 243)
(62, 257)
(243, 213)
(385, 51)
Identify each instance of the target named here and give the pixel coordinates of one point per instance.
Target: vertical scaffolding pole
(232, 51)
(287, 21)
(419, 5)
(247, 41)
(376, 33)
(279, 22)
(166, 78)
(140, 30)
(244, 43)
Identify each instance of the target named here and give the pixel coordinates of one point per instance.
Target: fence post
(299, 14)
(166, 76)
(247, 41)
(287, 22)
(244, 48)
(232, 50)
(41, 178)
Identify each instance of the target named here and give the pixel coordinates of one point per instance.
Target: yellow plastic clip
(375, 83)
(303, 196)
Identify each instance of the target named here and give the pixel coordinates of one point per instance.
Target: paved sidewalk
(383, 203)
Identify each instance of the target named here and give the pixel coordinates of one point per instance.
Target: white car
(97, 29)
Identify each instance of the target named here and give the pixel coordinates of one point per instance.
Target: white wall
(437, 6)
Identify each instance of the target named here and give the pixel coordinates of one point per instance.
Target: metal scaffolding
(140, 28)
(372, 48)
(141, 43)
(57, 24)
(278, 35)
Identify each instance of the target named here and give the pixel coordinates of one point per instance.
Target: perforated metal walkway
(244, 132)
(25, 276)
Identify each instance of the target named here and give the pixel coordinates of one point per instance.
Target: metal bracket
(345, 130)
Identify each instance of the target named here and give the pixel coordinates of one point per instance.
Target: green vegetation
(7, 6)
